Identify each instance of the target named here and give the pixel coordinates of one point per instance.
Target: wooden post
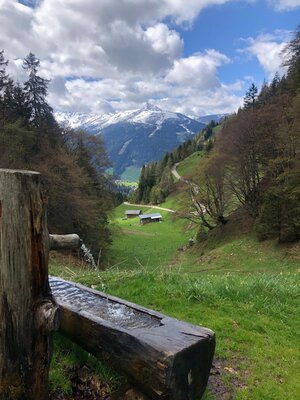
(28, 313)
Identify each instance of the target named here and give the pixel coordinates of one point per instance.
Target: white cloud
(80, 96)
(268, 49)
(117, 35)
(15, 28)
(282, 5)
(191, 86)
(222, 100)
(198, 70)
(187, 10)
(114, 53)
(164, 41)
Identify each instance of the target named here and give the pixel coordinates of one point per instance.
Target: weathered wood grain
(61, 242)
(168, 359)
(28, 312)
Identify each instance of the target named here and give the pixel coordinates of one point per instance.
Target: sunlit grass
(246, 291)
(148, 246)
(131, 174)
(188, 165)
(240, 255)
(255, 317)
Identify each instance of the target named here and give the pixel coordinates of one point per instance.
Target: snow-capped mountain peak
(149, 114)
(135, 137)
(150, 106)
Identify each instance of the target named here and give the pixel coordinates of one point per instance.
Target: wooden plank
(166, 358)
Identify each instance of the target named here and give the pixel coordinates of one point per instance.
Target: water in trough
(99, 305)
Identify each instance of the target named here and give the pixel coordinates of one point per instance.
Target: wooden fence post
(28, 313)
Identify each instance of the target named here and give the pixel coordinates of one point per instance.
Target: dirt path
(195, 188)
(179, 177)
(149, 206)
(174, 171)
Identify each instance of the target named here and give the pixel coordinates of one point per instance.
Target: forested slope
(252, 161)
(72, 163)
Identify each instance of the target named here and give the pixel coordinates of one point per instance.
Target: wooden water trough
(166, 358)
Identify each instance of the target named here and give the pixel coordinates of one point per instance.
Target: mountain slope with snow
(136, 137)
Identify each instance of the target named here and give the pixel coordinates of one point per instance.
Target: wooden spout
(64, 242)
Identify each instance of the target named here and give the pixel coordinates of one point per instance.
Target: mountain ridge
(145, 115)
(136, 137)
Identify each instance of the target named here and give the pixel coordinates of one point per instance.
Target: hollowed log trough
(168, 359)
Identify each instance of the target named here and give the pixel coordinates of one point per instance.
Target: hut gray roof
(133, 212)
(150, 216)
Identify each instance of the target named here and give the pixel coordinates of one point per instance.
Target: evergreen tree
(21, 110)
(292, 61)
(251, 96)
(72, 165)
(208, 132)
(14, 104)
(3, 76)
(142, 184)
(264, 94)
(156, 195)
(275, 85)
(35, 89)
(3, 81)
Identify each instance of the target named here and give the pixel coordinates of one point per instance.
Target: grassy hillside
(149, 246)
(131, 174)
(245, 290)
(255, 316)
(187, 165)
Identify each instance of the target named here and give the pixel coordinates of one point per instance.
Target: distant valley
(137, 137)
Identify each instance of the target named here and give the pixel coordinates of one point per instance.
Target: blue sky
(225, 27)
(193, 56)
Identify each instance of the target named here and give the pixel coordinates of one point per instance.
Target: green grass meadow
(188, 165)
(150, 246)
(131, 174)
(246, 291)
(255, 318)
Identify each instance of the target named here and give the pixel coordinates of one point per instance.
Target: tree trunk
(28, 313)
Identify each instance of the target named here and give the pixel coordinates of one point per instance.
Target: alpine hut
(146, 218)
(132, 213)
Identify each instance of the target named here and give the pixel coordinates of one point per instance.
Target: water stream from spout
(88, 256)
